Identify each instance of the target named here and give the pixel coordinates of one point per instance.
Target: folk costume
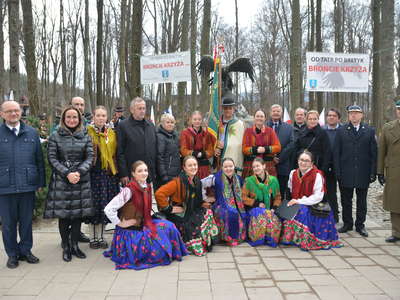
(229, 212)
(193, 142)
(308, 231)
(148, 244)
(255, 137)
(104, 182)
(264, 226)
(196, 224)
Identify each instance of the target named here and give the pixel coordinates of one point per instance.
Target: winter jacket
(21, 160)
(168, 158)
(69, 152)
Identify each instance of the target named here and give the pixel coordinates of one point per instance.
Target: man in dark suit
(355, 160)
(285, 135)
(331, 128)
(21, 174)
(136, 141)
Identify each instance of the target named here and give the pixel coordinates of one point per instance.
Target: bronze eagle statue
(242, 64)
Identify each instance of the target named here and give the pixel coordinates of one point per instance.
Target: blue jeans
(16, 211)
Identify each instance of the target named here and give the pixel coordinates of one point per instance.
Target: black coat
(168, 157)
(356, 156)
(136, 141)
(316, 141)
(69, 153)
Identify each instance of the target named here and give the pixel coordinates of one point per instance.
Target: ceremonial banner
(337, 72)
(170, 67)
(213, 120)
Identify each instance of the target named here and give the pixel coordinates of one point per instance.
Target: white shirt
(17, 127)
(111, 210)
(318, 190)
(207, 182)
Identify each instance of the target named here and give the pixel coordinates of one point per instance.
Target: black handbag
(321, 209)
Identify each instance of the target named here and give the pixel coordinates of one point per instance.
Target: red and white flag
(286, 117)
(152, 115)
(322, 117)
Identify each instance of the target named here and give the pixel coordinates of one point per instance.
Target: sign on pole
(170, 67)
(337, 72)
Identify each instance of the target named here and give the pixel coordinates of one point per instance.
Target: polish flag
(286, 117)
(152, 115)
(322, 117)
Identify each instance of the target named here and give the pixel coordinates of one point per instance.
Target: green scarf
(263, 191)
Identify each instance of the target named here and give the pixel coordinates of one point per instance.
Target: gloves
(381, 179)
(372, 178)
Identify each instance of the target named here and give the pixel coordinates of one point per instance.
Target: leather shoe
(362, 231)
(392, 239)
(345, 228)
(29, 258)
(76, 251)
(83, 238)
(66, 255)
(12, 262)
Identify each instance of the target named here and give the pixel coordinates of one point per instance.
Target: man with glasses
(389, 172)
(21, 174)
(355, 160)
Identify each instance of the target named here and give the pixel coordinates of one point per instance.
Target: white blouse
(318, 190)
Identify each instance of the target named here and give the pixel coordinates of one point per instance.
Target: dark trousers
(346, 195)
(331, 192)
(16, 211)
(283, 183)
(69, 227)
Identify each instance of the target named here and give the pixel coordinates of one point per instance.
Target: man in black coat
(355, 160)
(299, 125)
(136, 141)
(285, 135)
(331, 128)
(21, 174)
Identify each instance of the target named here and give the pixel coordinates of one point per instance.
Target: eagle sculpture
(242, 64)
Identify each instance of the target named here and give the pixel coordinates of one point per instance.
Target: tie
(275, 126)
(14, 130)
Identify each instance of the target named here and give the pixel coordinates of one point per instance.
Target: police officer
(355, 160)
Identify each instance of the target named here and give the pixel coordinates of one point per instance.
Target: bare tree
(99, 54)
(193, 38)
(205, 49)
(2, 12)
(295, 56)
(136, 47)
(13, 33)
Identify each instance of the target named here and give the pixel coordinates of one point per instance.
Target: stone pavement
(366, 268)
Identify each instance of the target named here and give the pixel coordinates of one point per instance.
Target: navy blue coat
(286, 138)
(355, 156)
(21, 160)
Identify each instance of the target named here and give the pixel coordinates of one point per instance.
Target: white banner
(337, 72)
(170, 67)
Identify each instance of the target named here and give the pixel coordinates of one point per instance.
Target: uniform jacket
(69, 152)
(136, 142)
(389, 164)
(356, 155)
(286, 138)
(21, 160)
(168, 158)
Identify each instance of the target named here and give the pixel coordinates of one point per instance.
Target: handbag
(321, 209)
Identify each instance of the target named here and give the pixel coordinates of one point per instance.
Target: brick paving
(366, 268)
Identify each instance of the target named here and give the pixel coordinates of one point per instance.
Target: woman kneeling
(261, 196)
(191, 215)
(140, 242)
(306, 230)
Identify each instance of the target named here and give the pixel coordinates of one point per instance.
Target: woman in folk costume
(181, 200)
(308, 230)
(197, 141)
(261, 195)
(260, 141)
(140, 242)
(104, 182)
(228, 207)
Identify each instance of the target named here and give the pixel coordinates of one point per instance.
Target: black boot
(66, 255)
(76, 251)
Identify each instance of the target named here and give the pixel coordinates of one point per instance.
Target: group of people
(107, 172)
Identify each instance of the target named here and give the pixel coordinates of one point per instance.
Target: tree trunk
(99, 54)
(2, 6)
(86, 54)
(204, 50)
(63, 56)
(295, 56)
(376, 81)
(193, 38)
(121, 52)
(13, 34)
(318, 44)
(236, 49)
(136, 51)
(338, 18)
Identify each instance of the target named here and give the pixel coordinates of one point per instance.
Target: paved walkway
(366, 268)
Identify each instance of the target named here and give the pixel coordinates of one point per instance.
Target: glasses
(304, 160)
(16, 111)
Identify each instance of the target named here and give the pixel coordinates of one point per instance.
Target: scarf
(198, 137)
(107, 143)
(304, 185)
(259, 137)
(141, 200)
(263, 190)
(192, 193)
